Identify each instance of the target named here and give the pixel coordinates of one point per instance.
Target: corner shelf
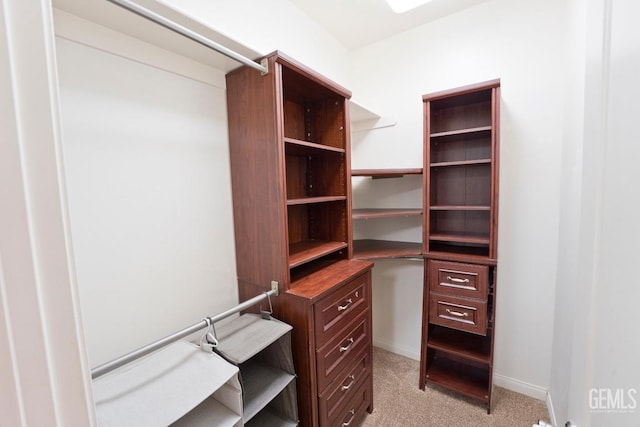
(384, 213)
(372, 249)
(385, 249)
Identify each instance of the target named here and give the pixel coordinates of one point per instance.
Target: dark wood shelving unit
(461, 147)
(289, 145)
(373, 249)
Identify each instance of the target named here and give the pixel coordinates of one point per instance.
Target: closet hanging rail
(156, 345)
(192, 35)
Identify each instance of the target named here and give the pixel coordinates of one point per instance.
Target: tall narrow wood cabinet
(461, 163)
(289, 142)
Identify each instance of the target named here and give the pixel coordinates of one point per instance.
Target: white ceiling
(356, 23)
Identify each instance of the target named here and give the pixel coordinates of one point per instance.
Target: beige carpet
(398, 401)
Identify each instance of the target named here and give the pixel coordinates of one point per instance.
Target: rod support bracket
(274, 287)
(265, 63)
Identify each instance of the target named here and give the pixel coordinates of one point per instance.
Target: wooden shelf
(457, 238)
(461, 163)
(371, 213)
(308, 250)
(468, 346)
(459, 208)
(305, 147)
(386, 173)
(461, 131)
(466, 379)
(312, 200)
(385, 249)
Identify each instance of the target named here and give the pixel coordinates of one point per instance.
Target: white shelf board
(363, 119)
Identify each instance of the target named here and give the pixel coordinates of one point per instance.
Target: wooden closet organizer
(289, 140)
(461, 163)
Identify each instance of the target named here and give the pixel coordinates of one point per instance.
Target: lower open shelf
(459, 343)
(267, 418)
(261, 384)
(469, 380)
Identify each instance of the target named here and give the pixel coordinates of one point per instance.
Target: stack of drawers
(330, 311)
(343, 352)
(457, 352)
(458, 295)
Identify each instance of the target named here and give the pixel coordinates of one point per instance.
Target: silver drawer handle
(344, 307)
(457, 313)
(353, 414)
(456, 280)
(348, 346)
(347, 387)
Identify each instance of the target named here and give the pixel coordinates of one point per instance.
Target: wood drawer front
(335, 311)
(351, 413)
(345, 386)
(467, 280)
(458, 313)
(339, 353)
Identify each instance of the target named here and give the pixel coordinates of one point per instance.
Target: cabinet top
(300, 69)
(489, 84)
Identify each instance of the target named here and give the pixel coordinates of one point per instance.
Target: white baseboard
(522, 387)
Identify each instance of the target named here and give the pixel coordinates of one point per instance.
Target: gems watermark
(618, 400)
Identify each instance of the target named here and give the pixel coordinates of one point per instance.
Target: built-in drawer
(339, 353)
(335, 311)
(345, 386)
(464, 314)
(455, 278)
(351, 412)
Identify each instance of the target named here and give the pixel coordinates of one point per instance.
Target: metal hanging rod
(192, 35)
(156, 345)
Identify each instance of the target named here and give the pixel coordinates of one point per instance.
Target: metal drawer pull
(457, 313)
(344, 307)
(353, 414)
(456, 280)
(347, 387)
(348, 346)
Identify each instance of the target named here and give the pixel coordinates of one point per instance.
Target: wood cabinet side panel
(257, 175)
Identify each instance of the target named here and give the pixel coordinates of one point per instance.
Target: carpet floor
(398, 401)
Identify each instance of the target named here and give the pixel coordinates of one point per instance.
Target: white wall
(266, 26)
(616, 331)
(149, 193)
(498, 39)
